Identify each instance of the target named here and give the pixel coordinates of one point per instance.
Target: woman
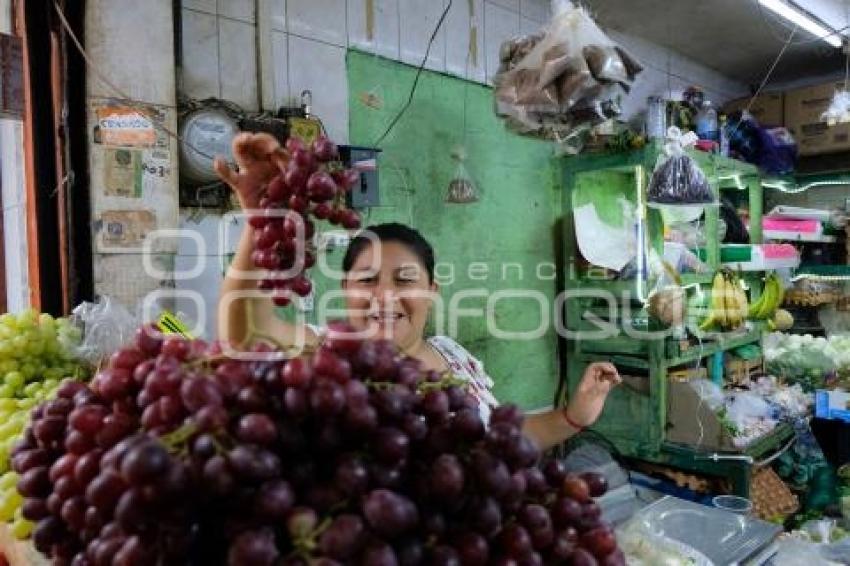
(388, 280)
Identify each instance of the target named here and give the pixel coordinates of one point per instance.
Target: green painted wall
(512, 223)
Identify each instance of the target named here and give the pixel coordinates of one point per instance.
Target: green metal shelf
(710, 348)
(635, 418)
(824, 270)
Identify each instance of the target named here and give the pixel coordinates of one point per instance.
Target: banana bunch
(770, 299)
(728, 307)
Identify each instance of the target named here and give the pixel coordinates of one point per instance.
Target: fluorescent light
(795, 16)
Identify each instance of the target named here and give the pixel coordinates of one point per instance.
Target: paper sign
(124, 126)
(126, 228)
(123, 173)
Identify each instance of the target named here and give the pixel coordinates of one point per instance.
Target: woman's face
(388, 294)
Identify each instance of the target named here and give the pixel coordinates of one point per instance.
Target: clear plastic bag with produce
(667, 302)
(839, 110)
(462, 187)
(107, 325)
(804, 359)
(678, 179)
(560, 82)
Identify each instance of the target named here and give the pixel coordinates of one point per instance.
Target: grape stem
(254, 335)
(306, 544)
(176, 440)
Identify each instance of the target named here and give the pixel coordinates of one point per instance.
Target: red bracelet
(570, 421)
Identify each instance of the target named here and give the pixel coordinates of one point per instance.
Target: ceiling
(738, 38)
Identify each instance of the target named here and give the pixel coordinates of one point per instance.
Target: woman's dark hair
(391, 232)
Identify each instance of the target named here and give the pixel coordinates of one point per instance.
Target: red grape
(320, 187)
(389, 513)
(324, 149)
(256, 428)
(596, 483)
(576, 488)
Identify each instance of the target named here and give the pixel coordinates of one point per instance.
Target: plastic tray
(723, 537)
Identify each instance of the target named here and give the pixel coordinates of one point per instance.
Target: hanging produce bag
(462, 187)
(678, 179)
(560, 83)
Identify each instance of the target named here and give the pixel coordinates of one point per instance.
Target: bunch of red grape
(312, 183)
(177, 454)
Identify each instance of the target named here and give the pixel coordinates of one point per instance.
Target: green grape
(54, 373)
(8, 481)
(9, 502)
(26, 404)
(19, 344)
(8, 405)
(9, 429)
(21, 528)
(14, 379)
(31, 389)
(29, 371)
(7, 391)
(50, 385)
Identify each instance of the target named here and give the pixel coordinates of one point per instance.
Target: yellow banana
(731, 303)
(743, 306)
(716, 304)
(719, 292)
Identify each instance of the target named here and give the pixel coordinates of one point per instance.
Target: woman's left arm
(551, 428)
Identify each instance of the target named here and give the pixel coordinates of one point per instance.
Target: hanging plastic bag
(710, 393)
(677, 179)
(462, 187)
(107, 325)
(560, 83)
(667, 302)
(839, 109)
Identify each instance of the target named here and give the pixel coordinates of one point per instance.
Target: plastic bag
(667, 298)
(462, 187)
(677, 179)
(793, 551)
(839, 110)
(559, 83)
(643, 546)
(744, 407)
(107, 325)
(710, 393)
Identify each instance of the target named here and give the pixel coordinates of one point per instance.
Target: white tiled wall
(500, 24)
(237, 47)
(219, 44)
(309, 38)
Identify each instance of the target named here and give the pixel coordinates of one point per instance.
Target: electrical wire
(416, 78)
(766, 78)
(120, 93)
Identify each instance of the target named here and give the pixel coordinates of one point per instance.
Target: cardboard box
(685, 413)
(803, 110)
(768, 109)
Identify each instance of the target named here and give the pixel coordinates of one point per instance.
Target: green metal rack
(635, 417)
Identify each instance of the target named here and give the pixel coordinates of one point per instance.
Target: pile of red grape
(312, 183)
(176, 454)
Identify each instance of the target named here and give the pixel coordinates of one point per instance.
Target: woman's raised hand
(259, 157)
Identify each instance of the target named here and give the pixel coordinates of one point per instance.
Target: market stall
(682, 397)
